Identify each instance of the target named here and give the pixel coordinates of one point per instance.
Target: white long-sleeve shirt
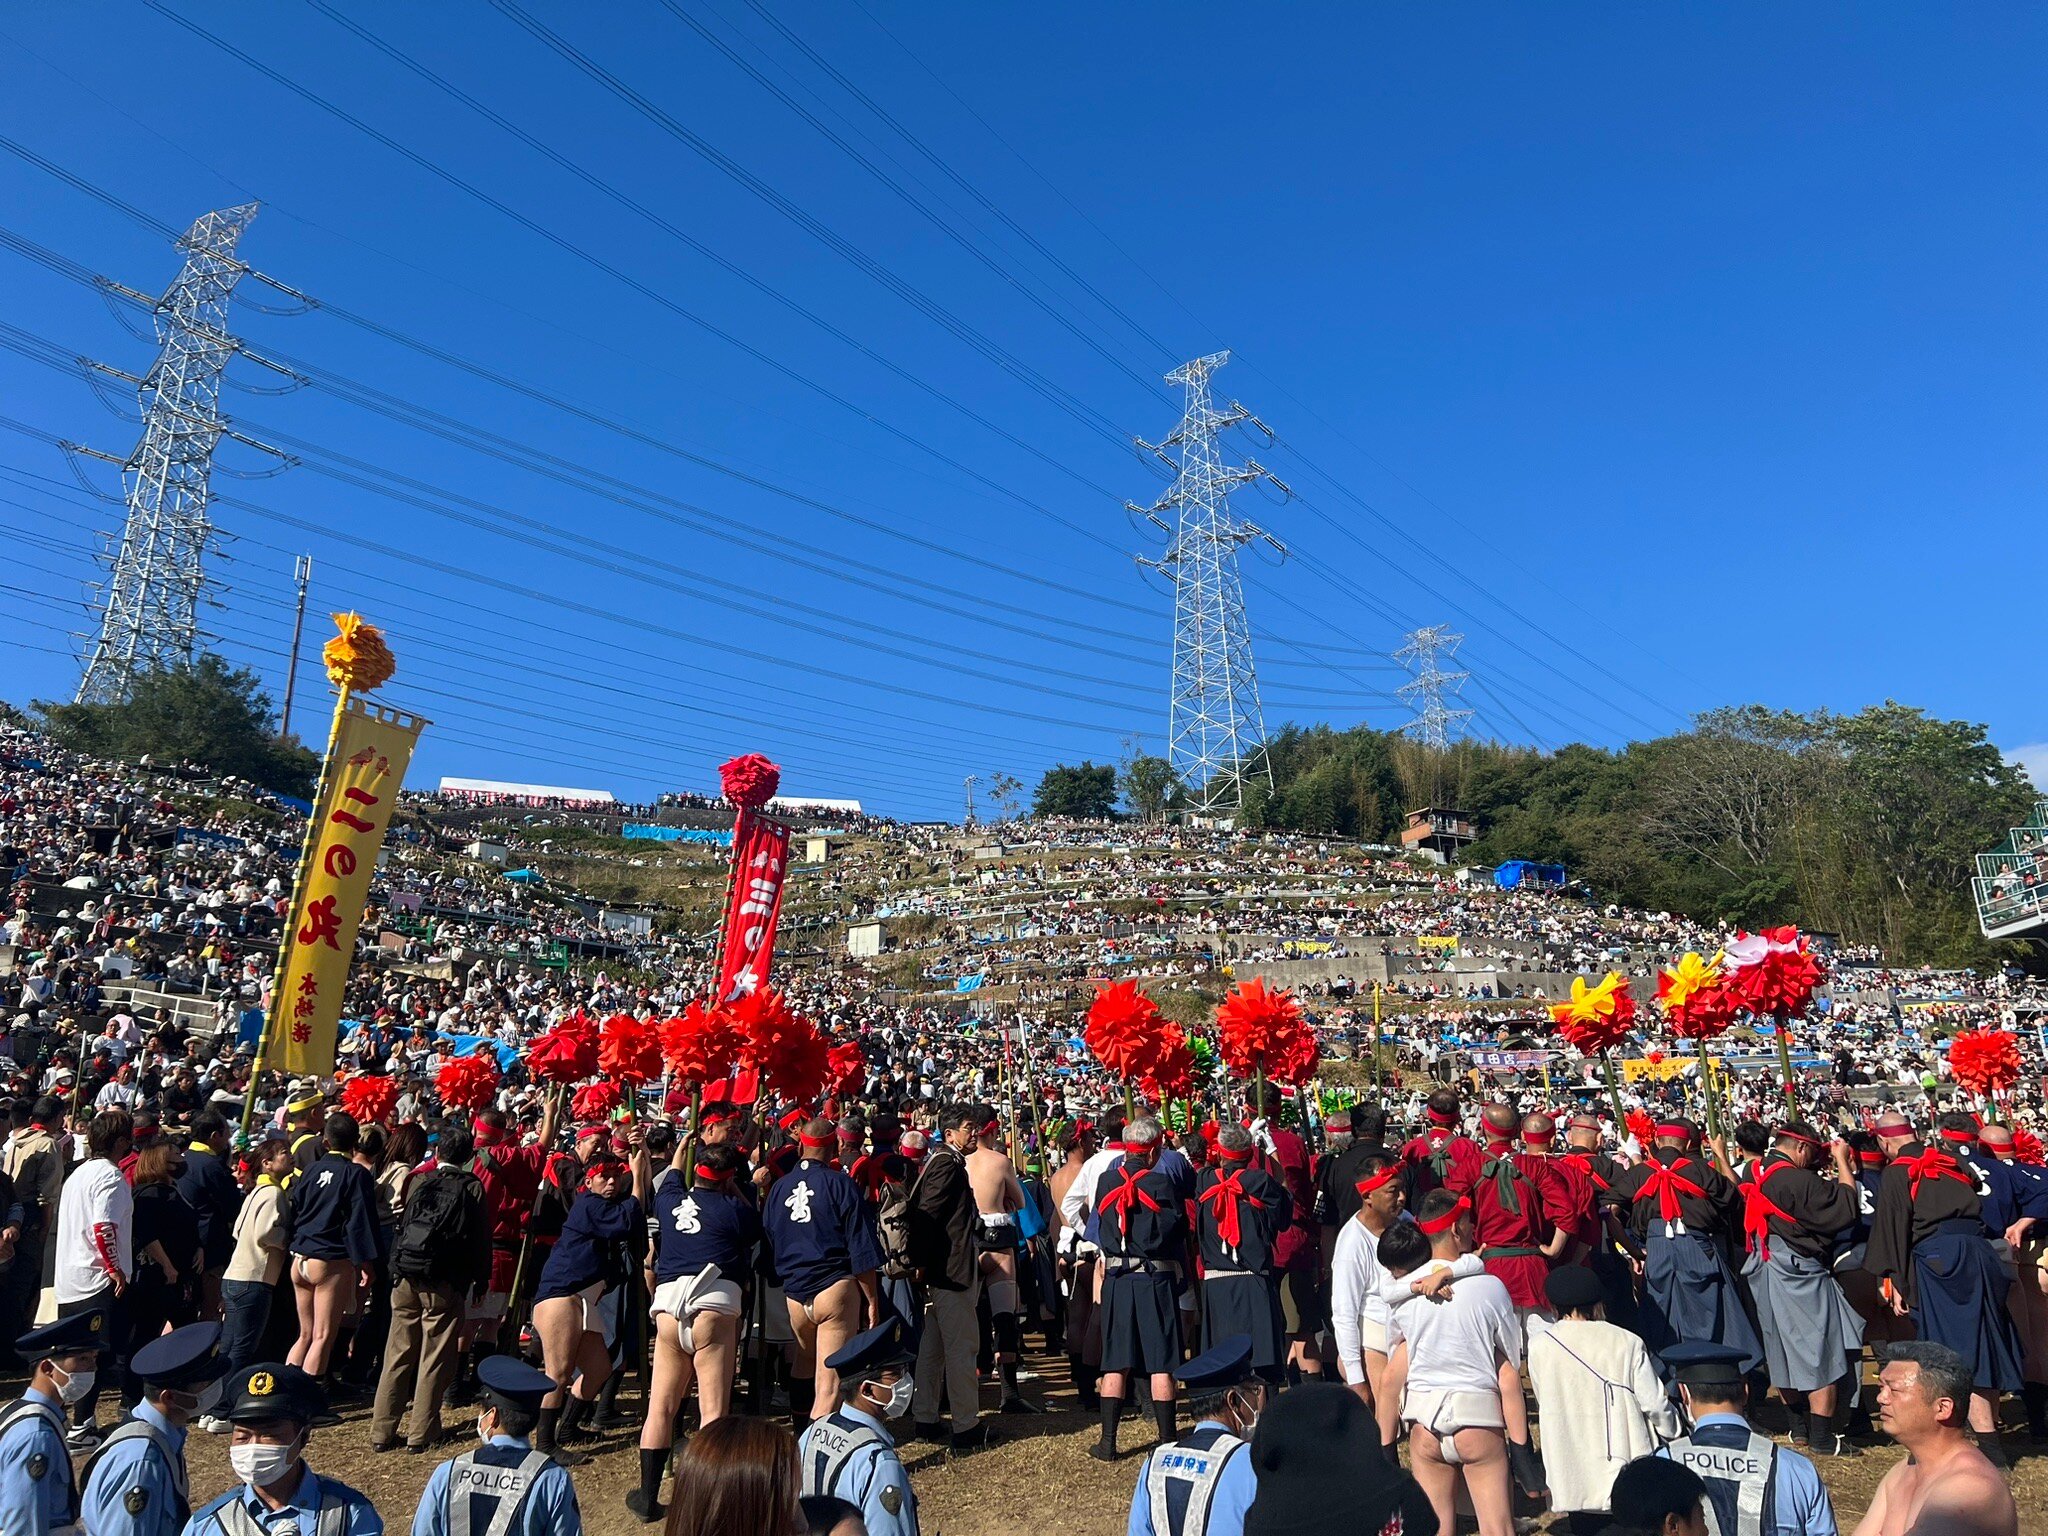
(1360, 1290)
(1080, 1196)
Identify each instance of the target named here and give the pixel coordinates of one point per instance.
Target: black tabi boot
(644, 1501)
(1105, 1448)
(1163, 1420)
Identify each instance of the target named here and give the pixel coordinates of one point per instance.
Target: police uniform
(503, 1487)
(849, 1453)
(1754, 1486)
(1201, 1484)
(134, 1483)
(315, 1505)
(38, 1496)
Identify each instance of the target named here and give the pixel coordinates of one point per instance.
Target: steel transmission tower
(1432, 688)
(1216, 731)
(149, 618)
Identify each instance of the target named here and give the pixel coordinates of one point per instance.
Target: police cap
(878, 1349)
(1227, 1365)
(184, 1357)
(1706, 1363)
(512, 1383)
(274, 1391)
(83, 1333)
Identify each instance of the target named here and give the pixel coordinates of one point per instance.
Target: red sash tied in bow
(1667, 1184)
(1119, 1199)
(1933, 1163)
(1583, 1161)
(1224, 1194)
(1758, 1208)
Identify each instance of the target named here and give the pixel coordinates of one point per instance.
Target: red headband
(1379, 1180)
(816, 1143)
(1870, 1158)
(1668, 1131)
(1786, 1134)
(1538, 1139)
(1449, 1219)
(709, 1175)
(1961, 1136)
(1239, 1156)
(1438, 1117)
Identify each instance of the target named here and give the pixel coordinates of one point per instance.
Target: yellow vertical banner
(366, 762)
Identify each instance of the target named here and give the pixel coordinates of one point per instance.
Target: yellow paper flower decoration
(1687, 979)
(357, 658)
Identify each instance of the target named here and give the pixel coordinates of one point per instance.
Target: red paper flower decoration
(1773, 973)
(1985, 1060)
(749, 781)
(1172, 1073)
(785, 1048)
(2026, 1146)
(628, 1049)
(1641, 1126)
(700, 1044)
(467, 1082)
(1123, 1030)
(1259, 1030)
(565, 1054)
(596, 1101)
(1707, 1015)
(848, 1067)
(369, 1098)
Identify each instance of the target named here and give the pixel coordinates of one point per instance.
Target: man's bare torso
(1962, 1496)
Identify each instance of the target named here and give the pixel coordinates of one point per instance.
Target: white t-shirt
(1361, 1291)
(94, 1193)
(1456, 1345)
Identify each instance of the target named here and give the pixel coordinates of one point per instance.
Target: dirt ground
(1035, 1478)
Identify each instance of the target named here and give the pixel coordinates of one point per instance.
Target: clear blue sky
(1678, 357)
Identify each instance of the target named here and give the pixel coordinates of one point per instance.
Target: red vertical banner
(760, 858)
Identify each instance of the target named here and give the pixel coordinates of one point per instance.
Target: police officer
(272, 1410)
(467, 1495)
(134, 1484)
(1754, 1487)
(1202, 1483)
(37, 1494)
(849, 1453)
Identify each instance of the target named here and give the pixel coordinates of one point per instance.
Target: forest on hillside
(1861, 825)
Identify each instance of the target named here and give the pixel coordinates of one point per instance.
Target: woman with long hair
(737, 1477)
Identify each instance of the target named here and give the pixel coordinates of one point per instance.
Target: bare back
(996, 1190)
(1962, 1495)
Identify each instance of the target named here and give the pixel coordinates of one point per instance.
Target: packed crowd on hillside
(985, 1180)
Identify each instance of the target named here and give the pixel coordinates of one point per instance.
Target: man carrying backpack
(440, 1256)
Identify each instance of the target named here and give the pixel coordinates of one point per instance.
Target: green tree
(1087, 792)
(207, 712)
(1149, 786)
(1003, 789)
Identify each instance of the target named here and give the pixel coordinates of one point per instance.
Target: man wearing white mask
(272, 1410)
(849, 1452)
(38, 1496)
(135, 1484)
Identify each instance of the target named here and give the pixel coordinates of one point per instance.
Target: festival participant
(440, 1258)
(705, 1234)
(946, 1254)
(850, 1453)
(1142, 1229)
(1754, 1487)
(1656, 1497)
(1793, 1216)
(1517, 1239)
(825, 1251)
(1682, 1217)
(249, 1283)
(511, 1172)
(2025, 1234)
(1945, 1486)
(1928, 1239)
(1453, 1372)
(38, 1494)
(1240, 1212)
(331, 1216)
(1585, 1155)
(273, 1408)
(136, 1483)
(1295, 1250)
(998, 1197)
(469, 1493)
(1202, 1484)
(303, 1120)
(1570, 1198)
(1599, 1396)
(1077, 1256)
(600, 1243)
(1442, 1156)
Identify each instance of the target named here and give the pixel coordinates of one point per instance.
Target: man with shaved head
(2027, 1184)
(1585, 1154)
(1517, 1238)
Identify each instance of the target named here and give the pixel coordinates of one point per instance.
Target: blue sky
(1677, 357)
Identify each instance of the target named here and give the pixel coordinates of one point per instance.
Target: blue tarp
(523, 876)
(968, 983)
(249, 1031)
(303, 807)
(465, 1045)
(650, 834)
(1517, 872)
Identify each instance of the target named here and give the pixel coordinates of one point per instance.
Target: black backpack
(430, 1239)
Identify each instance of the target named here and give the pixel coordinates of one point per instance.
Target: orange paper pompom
(1123, 1030)
(1985, 1060)
(788, 1050)
(467, 1082)
(369, 1098)
(700, 1044)
(565, 1054)
(596, 1101)
(1596, 1018)
(628, 1049)
(1261, 1031)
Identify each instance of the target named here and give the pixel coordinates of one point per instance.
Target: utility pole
(970, 797)
(149, 617)
(1216, 730)
(302, 576)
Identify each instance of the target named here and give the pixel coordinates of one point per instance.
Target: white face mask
(75, 1384)
(261, 1466)
(899, 1397)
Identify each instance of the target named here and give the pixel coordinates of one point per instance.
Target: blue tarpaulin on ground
(1518, 872)
(465, 1045)
(649, 834)
(523, 876)
(968, 983)
(303, 807)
